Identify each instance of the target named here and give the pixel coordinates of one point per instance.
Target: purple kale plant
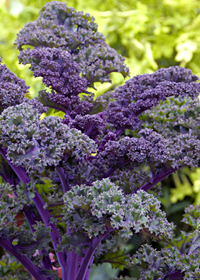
(87, 183)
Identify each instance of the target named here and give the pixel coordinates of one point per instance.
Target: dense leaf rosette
(98, 61)
(57, 68)
(12, 89)
(177, 119)
(59, 26)
(93, 208)
(169, 263)
(81, 182)
(142, 92)
(36, 143)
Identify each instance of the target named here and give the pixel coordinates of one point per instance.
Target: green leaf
(195, 243)
(116, 259)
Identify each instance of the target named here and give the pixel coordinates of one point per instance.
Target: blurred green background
(150, 34)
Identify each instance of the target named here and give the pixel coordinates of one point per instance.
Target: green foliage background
(150, 34)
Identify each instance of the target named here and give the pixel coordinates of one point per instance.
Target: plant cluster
(86, 183)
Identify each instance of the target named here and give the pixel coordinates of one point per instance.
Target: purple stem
(64, 181)
(89, 255)
(119, 131)
(45, 258)
(46, 261)
(17, 169)
(72, 266)
(59, 108)
(72, 263)
(87, 275)
(157, 178)
(8, 180)
(56, 204)
(109, 172)
(29, 217)
(28, 246)
(174, 275)
(44, 213)
(39, 203)
(7, 245)
(112, 169)
(108, 72)
(3, 175)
